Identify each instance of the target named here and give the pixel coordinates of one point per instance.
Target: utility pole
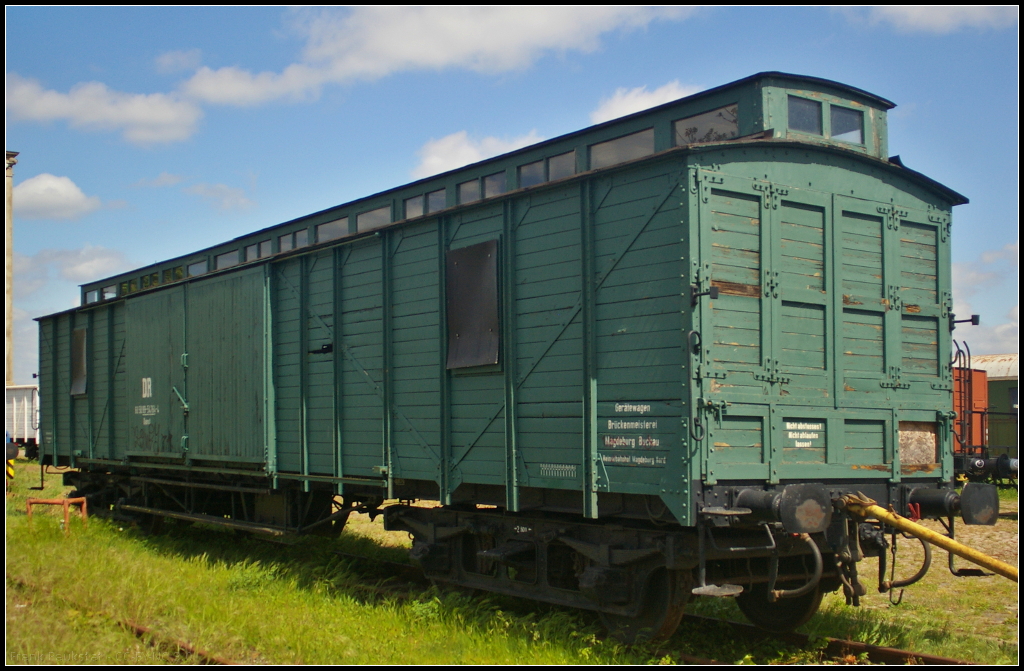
(9, 270)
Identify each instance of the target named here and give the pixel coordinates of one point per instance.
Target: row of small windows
(417, 206)
(845, 125)
(712, 126)
(549, 169)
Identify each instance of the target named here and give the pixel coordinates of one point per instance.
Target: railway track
(833, 650)
(407, 582)
(174, 650)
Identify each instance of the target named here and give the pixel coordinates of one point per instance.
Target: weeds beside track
(247, 600)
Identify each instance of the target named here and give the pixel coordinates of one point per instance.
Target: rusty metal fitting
(81, 502)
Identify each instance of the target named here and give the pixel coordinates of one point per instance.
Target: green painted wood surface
(225, 381)
(834, 289)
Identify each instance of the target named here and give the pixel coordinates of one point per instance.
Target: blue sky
(149, 133)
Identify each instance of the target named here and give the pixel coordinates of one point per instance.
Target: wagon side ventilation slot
(474, 332)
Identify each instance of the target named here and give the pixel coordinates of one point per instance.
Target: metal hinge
(770, 194)
(895, 302)
(772, 373)
(893, 215)
(894, 381)
(771, 284)
(709, 373)
(704, 182)
(941, 219)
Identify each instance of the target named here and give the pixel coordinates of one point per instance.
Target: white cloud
(940, 20)
(971, 277)
(362, 43)
(372, 42)
(29, 275)
(627, 101)
(992, 272)
(221, 196)
(45, 282)
(989, 338)
(178, 61)
(87, 264)
(235, 86)
(83, 265)
(1010, 252)
(163, 179)
(143, 119)
(47, 196)
(458, 149)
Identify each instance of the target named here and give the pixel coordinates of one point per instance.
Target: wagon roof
(599, 132)
(998, 366)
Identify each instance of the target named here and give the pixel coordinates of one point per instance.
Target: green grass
(255, 601)
(1008, 494)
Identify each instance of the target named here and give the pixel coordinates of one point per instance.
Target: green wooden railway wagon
(629, 362)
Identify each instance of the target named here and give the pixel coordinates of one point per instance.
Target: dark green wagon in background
(633, 363)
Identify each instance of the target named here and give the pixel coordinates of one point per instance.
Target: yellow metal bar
(867, 508)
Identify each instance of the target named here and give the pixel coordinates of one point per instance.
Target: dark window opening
(332, 230)
(78, 362)
(531, 174)
(469, 191)
(622, 149)
(805, 115)
(366, 221)
(714, 126)
(226, 260)
(847, 124)
(435, 201)
(474, 330)
(562, 166)
(414, 207)
(494, 185)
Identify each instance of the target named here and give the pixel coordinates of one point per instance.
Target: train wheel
(781, 616)
(661, 610)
